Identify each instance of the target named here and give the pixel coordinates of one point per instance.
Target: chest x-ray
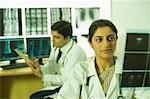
(85, 16)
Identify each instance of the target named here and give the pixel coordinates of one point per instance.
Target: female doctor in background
(96, 78)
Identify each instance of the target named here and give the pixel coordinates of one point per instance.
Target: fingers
(30, 63)
(35, 67)
(33, 63)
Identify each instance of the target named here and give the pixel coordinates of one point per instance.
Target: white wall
(149, 13)
(130, 14)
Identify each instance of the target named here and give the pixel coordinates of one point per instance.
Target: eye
(110, 38)
(98, 39)
(56, 37)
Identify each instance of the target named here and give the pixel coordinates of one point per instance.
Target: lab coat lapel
(95, 83)
(98, 86)
(91, 74)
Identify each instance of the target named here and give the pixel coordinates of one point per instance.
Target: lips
(107, 50)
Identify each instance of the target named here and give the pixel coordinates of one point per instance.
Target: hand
(35, 67)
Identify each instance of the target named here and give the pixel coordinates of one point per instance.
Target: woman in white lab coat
(97, 78)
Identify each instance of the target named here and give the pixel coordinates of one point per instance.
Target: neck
(65, 44)
(104, 63)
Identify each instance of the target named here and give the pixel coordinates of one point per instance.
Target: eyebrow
(107, 36)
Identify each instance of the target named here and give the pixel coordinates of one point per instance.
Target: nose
(106, 43)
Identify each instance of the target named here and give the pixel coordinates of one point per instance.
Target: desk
(18, 83)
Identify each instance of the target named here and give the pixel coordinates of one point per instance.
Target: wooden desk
(18, 83)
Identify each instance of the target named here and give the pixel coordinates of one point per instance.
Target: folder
(23, 55)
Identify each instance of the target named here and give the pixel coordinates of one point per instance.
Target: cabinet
(18, 83)
(136, 67)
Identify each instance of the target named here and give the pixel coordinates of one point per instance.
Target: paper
(23, 55)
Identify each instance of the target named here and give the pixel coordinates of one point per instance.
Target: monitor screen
(38, 47)
(137, 42)
(135, 79)
(7, 47)
(136, 61)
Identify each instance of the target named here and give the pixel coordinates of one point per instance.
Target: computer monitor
(7, 47)
(136, 66)
(39, 48)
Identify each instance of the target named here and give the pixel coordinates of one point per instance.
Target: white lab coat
(55, 74)
(79, 86)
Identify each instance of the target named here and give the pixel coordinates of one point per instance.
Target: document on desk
(23, 55)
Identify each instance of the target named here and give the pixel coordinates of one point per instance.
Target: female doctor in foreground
(96, 78)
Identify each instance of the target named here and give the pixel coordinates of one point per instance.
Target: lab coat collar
(91, 68)
(67, 47)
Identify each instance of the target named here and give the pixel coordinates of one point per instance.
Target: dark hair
(62, 27)
(100, 23)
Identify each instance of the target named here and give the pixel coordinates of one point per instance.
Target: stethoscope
(86, 84)
(72, 43)
(120, 96)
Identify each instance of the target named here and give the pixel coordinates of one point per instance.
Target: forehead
(104, 31)
(55, 33)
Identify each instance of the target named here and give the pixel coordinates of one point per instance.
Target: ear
(68, 38)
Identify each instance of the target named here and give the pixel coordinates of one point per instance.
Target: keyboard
(13, 66)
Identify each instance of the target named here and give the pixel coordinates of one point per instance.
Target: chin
(107, 56)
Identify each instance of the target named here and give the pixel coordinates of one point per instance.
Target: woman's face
(104, 42)
(59, 40)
